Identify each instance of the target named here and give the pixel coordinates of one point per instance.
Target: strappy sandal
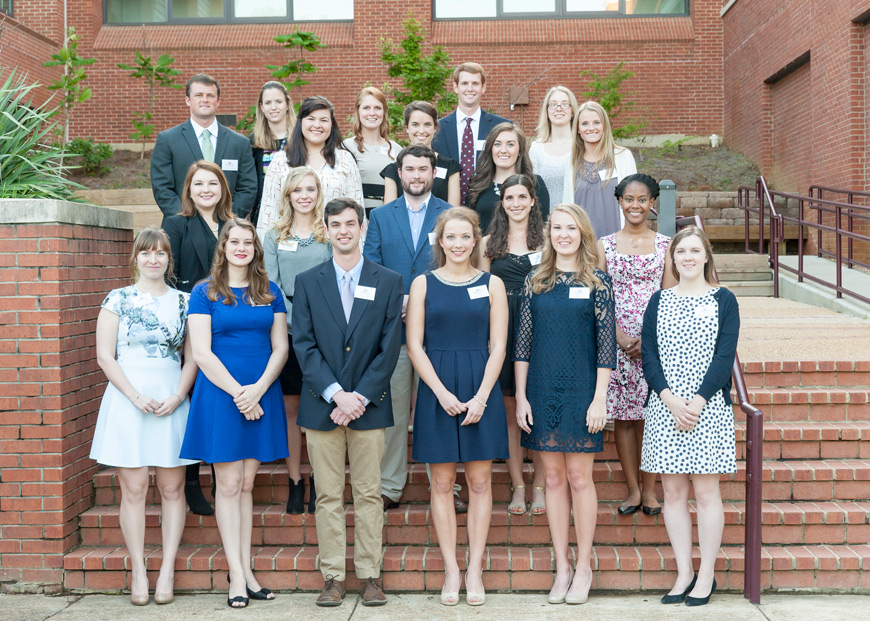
(539, 508)
(517, 507)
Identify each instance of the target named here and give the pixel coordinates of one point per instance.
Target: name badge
(603, 175)
(535, 258)
(707, 310)
(479, 291)
(143, 299)
(364, 293)
(289, 246)
(578, 293)
(479, 144)
(432, 239)
(229, 164)
(440, 172)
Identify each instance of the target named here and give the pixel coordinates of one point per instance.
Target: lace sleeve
(523, 338)
(605, 323)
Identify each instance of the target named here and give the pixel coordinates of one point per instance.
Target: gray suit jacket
(177, 148)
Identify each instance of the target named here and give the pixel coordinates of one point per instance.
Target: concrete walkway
(819, 295)
(418, 607)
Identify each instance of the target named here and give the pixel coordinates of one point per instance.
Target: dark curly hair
(497, 244)
(651, 185)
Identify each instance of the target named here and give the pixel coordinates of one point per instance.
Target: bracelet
(479, 401)
(180, 400)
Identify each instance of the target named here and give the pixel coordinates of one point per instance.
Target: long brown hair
(224, 209)
(606, 146)
(150, 238)
(286, 210)
(544, 278)
(483, 177)
(262, 134)
(384, 130)
(497, 244)
(258, 280)
(709, 266)
(439, 258)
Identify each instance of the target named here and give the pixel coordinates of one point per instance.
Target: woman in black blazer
(206, 203)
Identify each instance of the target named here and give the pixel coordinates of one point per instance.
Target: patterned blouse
(149, 327)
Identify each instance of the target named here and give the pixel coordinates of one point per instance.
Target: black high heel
(262, 594)
(679, 597)
(296, 497)
(193, 492)
(700, 601)
(238, 598)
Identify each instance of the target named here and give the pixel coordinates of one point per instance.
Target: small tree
(607, 91)
(297, 66)
(156, 73)
(71, 84)
(424, 76)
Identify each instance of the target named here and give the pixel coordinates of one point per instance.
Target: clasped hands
(454, 407)
(148, 405)
(686, 413)
(349, 407)
(630, 345)
(247, 399)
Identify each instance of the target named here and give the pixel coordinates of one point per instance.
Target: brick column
(57, 262)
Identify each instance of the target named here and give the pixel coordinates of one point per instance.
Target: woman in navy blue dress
(238, 329)
(459, 314)
(565, 350)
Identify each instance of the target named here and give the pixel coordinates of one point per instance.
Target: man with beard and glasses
(399, 239)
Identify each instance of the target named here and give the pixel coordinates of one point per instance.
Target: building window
(221, 11)
(6, 7)
(556, 9)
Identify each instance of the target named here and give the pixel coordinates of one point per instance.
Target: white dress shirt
(212, 129)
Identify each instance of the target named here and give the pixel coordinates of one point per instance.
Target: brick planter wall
(57, 262)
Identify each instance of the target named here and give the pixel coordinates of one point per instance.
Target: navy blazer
(446, 141)
(177, 148)
(359, 354)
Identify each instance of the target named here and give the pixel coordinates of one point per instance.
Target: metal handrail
(753, 458)
(816, 191)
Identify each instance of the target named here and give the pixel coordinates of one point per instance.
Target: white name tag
(440, 172)
(479, 291)
(479, 144)
(535, 258)
(707, 310)
(603, 175)
(432, 238)
(364, 293)
(289, 246)
(143, 299)
(578, 293)
(229, 164)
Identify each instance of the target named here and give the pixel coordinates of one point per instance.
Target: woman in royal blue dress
(238, 329)
(565, 350)
(459, 314)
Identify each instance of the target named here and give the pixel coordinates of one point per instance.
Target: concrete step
(741, 262)
(507, 569)
(764, 275)
(749, 288)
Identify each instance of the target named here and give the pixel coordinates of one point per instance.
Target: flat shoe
(538, 508)
(559, 598)
(262, 594)
(519, 507)
(651, 510)
(629, 509)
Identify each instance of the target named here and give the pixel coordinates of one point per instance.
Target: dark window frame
(229, 17)
(10, 12)
(561, 12)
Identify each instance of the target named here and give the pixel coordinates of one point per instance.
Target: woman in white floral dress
(143, 415)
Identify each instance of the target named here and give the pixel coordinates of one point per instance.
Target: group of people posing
(501, 297)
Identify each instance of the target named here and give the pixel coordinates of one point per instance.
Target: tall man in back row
(201, 137)
(461, 135)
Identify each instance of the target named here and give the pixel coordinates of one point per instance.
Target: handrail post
(839, 243)
(759, 193)
(667, 204)
(819, 231)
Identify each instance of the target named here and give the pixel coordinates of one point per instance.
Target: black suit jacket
(359, 354)
(446, 141)
(192, 244)
(177, 148)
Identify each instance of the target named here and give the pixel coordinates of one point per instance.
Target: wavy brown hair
(286, 211)
(262, 134)
(224, 208)
(385, 123)
(543, 279)
(499, 226)
(258, 280)
(439, 258)
(483, 177)
(152, 238)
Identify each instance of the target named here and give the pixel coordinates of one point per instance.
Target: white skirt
(125, 437)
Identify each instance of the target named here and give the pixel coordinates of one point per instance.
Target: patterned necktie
(207, 146)
(466, 158)
(346, 296)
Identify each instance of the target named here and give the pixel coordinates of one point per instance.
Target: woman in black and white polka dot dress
(688, 342)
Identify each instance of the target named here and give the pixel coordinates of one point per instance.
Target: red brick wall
(678, 61)
(29, 39)
(53, 278)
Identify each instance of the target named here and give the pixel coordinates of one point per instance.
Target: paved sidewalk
(424, 607)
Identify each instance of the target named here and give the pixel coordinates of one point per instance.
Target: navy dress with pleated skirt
(457, 343)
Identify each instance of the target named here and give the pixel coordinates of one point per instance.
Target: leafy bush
(93, 154)
(156, 73)
(30, 165)
(607, 91)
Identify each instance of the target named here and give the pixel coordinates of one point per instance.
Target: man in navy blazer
(202, 137)
(469, 83)
(347, 330)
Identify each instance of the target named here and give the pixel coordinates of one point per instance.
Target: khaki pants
(394, 465)
(364, 450)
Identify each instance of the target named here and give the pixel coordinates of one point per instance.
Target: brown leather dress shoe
(332, 593)
(389, 503)
(371, 593)
(459, 505)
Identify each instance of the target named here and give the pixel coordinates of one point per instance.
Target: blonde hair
(262, 134)
(385, 123)
(464, 214)
(544, 278)
(258, 280)
(286, 210)
(709, 266)
(606, 146)
(543, 130)
(150, 238)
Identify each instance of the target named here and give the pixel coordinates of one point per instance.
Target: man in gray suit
(202, 138)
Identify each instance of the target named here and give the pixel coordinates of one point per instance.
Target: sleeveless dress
(566, 335)
(596, 197)
(457, 344)
(512, 269)
(635, 279)
(240, 337)
(687, 328)
(150, 341)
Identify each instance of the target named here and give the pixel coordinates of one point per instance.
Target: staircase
(745, 274)
(816, 516)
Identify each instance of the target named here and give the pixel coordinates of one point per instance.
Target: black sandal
(262, 594)
(237, 599)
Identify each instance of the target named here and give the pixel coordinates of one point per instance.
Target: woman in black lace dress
(565, 350)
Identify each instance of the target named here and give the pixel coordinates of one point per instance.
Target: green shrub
(93, 154)
(619, 104)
